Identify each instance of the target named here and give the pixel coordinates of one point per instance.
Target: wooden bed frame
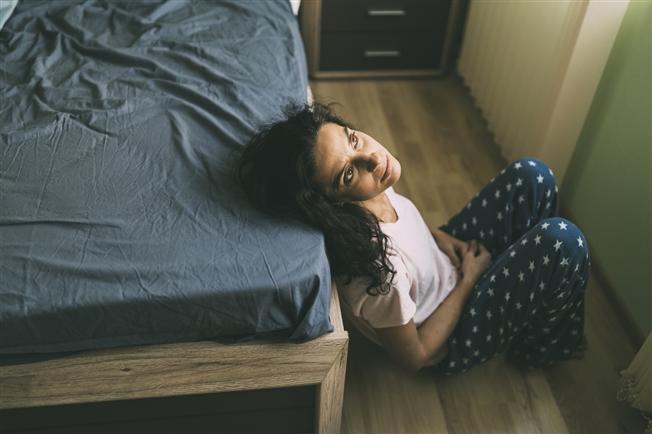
(258, 386)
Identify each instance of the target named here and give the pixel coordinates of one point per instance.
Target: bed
(139, 291)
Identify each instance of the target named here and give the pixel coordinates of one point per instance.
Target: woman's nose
(373, 161)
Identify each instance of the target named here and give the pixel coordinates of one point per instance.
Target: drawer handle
(386, 12)
(382, 53)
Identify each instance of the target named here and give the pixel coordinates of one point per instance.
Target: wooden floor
(447, 155)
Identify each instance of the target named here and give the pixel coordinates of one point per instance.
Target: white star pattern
(514, 211)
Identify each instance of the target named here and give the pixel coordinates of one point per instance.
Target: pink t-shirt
(424, 276)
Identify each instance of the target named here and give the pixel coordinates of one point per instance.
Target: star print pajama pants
(530, 301)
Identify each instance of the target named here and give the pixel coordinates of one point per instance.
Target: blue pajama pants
(530, 301)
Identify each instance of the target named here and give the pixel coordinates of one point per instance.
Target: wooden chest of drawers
(357, 38)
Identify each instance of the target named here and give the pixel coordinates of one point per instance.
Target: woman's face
(352, 166)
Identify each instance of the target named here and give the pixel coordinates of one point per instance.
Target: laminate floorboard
(447, 155)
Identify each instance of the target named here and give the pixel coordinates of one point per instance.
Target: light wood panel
(447, 155)
(109, 384)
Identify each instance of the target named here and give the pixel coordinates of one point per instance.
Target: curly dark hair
(277, 170)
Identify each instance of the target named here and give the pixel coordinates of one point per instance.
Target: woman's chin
(396, 174)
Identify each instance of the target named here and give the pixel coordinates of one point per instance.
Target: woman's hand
(475, 261)
(450, 245)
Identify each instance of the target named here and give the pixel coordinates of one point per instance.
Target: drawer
(371, 15)
(376, 51)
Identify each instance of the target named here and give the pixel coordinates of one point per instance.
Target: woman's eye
(354, 140)
(348, 175)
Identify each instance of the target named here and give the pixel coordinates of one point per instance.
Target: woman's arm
(436, 329)
(415, 348)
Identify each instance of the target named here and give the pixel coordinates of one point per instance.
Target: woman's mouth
(388, 169)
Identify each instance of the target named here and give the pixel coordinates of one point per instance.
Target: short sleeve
(395, 308)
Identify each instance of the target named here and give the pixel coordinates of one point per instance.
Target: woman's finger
(452, 254)
(473, 247)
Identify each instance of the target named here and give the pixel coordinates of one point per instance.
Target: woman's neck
(382, 208)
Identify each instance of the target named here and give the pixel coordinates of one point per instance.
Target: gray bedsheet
(120, 222)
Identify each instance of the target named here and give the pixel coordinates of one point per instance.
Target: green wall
(608, 185)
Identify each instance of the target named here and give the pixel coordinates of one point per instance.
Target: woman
(503, 274)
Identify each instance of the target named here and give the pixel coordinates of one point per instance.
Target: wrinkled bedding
(120, 221)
